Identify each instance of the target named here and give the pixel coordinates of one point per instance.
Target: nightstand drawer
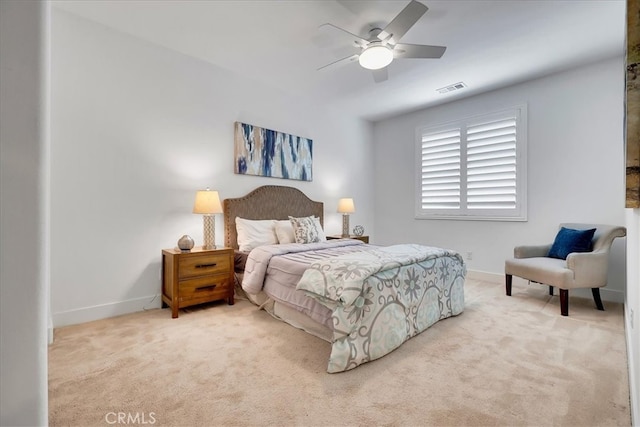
(207, 288)
(194, 266)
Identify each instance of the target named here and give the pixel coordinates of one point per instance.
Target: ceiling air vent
(451, 88)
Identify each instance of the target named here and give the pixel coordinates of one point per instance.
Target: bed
(365, 300)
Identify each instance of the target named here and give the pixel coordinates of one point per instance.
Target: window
(473, 169)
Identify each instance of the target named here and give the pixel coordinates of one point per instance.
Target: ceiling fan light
(375, 57)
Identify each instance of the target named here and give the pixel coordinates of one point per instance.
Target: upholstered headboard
(267, 202)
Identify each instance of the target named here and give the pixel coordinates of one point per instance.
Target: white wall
(575, 168)
(23, 213)
(136, 130)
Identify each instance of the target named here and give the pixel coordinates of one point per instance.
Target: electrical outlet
(469, 256)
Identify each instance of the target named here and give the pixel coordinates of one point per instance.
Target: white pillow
(252, 233)
(307, 229)
(284, 231)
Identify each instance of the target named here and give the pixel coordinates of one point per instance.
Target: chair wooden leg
(551, 290)
(564, 302)
(508, 281)
(596, 298)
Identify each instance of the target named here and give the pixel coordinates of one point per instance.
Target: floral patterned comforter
(383, 297)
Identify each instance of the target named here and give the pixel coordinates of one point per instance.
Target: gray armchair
(579, 270)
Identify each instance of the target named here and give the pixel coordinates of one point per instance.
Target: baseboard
(485, 276)
(103, 311)
(633, 386)
(606, 294)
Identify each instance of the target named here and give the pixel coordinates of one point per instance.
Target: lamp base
(345, 226)
(209, 222)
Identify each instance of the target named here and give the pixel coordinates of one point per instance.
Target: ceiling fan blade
(403, 50)
(359, 41)
(403, 22)
(380, 75)
(341, 61)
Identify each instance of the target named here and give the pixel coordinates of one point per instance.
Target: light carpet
(507, 361)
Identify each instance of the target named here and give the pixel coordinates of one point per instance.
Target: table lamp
(207, 203)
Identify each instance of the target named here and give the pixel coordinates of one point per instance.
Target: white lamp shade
(207, 202)
(346, 206)
(375, 57)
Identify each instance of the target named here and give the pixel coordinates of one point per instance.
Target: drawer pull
(206, 265)
(206, 288)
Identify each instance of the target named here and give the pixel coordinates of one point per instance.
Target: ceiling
(490, 44)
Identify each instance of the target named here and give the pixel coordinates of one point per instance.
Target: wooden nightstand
(353, 236)
(196, 277)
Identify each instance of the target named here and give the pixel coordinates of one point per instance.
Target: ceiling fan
(382, 47)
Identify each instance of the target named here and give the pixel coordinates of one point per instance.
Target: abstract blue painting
(265, 152)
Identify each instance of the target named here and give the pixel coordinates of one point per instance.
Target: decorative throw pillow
(252, 233)
(284, 231)
(307, 229)
(569, 240)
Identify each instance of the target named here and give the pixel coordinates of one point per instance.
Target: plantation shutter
(441, 183)
(473, 168)
(491, 165)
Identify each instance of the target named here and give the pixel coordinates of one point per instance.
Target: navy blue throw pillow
(569, 240)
